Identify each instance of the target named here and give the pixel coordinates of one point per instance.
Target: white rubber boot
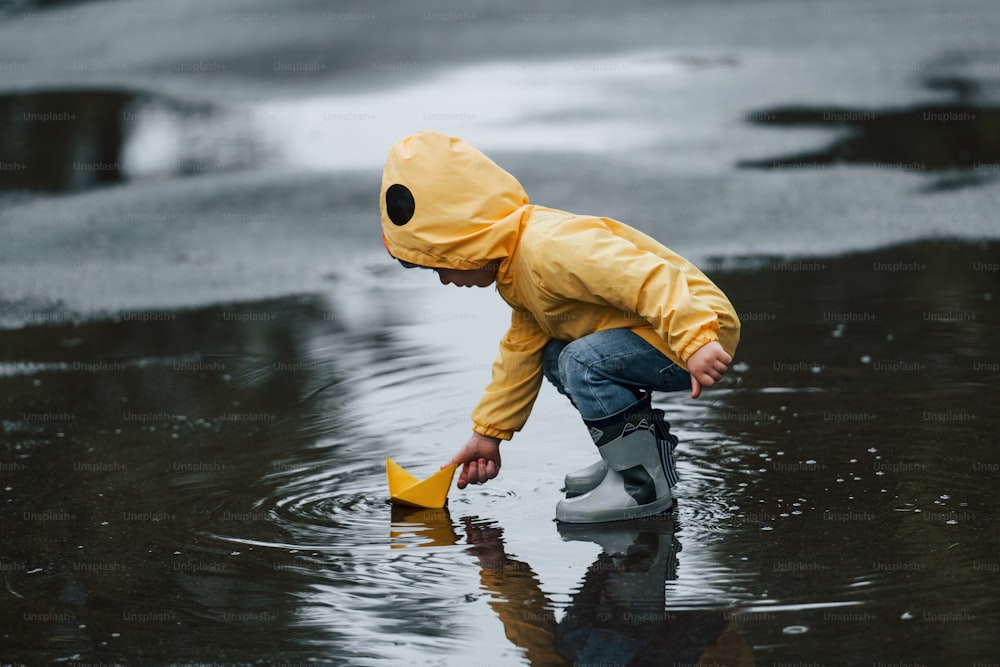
(639, 476)
(579, 482)
(584, 480)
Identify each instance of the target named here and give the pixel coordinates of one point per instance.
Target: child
(603, 311)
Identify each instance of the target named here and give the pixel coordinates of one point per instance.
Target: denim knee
(576, 361)
(593, 391)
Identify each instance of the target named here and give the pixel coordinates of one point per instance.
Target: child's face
(482, 277)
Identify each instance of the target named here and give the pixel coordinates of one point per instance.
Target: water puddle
(215, 478)
(956, 145)
(65, 141)
(68, 141)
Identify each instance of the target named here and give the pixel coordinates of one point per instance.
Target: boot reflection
(618, 616)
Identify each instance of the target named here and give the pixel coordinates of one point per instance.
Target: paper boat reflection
(418, 527)
(406, 489)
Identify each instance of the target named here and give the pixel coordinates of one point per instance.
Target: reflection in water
(928, 138)
(421, 527)
(67, 141)
(215, 478)
(619, 613)
(62, 141)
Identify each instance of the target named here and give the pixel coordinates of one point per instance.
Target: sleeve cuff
(704, 338)
(491, 432)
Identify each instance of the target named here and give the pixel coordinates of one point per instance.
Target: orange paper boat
(406, 489)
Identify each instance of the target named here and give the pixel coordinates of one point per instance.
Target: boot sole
(661, 506)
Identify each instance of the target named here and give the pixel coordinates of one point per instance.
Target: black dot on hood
(399, 204)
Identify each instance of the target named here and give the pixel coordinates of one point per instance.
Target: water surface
(205, 355)
(189, 487)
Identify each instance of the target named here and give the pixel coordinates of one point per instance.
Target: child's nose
(443, 278)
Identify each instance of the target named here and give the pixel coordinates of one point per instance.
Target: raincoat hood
(446, 205)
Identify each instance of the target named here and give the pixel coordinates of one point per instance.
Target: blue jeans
(607, 372)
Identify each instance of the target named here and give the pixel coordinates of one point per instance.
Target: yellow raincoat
(446, 205)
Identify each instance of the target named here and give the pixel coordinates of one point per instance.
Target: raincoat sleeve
(584, 260)
(517, 377)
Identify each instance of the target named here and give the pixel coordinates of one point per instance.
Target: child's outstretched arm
(506, 402)
(479, 458)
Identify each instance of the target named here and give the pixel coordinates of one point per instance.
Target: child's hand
(707, 365)
(480, 460)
